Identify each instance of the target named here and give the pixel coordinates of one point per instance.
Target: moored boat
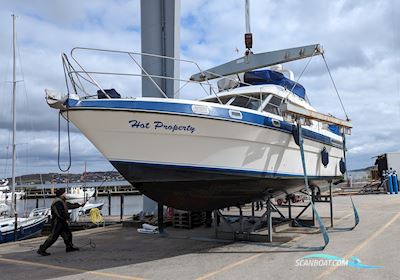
(80, 193)
(28, 227)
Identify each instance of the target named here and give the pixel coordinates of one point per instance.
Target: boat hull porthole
(276, 123)
(235, 114)
(200, 109)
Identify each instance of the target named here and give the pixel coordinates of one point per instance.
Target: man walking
(59, 224)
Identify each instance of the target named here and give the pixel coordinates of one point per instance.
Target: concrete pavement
(122, 253)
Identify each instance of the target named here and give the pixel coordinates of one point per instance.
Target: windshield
(246, 102)
(273, 105)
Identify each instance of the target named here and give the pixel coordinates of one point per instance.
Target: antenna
(248, 36)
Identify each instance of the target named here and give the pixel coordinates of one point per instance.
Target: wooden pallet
(188, 219)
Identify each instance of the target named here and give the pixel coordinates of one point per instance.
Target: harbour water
(132, 204)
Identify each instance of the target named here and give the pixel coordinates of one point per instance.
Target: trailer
(388, 161)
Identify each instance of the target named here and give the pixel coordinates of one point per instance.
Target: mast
(14, 122)
(248, 36)
(247, 16)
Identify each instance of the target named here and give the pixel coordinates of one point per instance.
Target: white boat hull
(79, 193)
(26, 227)
(197, 156)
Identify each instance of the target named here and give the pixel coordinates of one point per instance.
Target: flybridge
(255, 61)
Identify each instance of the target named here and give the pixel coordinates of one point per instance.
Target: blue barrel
(390, 183)
(395, 183)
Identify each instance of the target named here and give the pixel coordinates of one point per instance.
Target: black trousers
(58, 228)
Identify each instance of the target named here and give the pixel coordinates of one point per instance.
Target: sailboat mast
(247, 16)
(14, 155)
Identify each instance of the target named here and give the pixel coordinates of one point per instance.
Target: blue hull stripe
(186, 109)
(228, 171)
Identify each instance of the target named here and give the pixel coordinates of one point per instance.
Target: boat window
(273, 105)
(223, 99)
(246, 102)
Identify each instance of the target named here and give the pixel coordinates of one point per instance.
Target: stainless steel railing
(79, 75)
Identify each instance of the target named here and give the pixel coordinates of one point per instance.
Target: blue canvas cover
(262, 77)
(334, 128)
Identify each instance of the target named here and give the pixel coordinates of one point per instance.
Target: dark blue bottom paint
(200, 189)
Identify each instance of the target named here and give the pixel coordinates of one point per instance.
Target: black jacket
(59, 210)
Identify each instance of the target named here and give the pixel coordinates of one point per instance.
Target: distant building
(362, 174)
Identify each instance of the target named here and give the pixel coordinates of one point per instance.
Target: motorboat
(80, 193)
(90, 205)
(232, 147)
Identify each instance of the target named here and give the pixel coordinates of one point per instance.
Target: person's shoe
(43, 253)
(71, 249)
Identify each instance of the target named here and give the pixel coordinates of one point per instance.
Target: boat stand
(315, 197)
(245, 227)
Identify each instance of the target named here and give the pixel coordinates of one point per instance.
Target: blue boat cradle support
(235, 230)
(307, 188)
(356, 219)
(318, 197)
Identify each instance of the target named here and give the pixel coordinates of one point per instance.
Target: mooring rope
(96, 217)
(91, 244)
(59, 123)
(59, 143)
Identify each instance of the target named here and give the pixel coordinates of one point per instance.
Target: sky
(361, 40)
